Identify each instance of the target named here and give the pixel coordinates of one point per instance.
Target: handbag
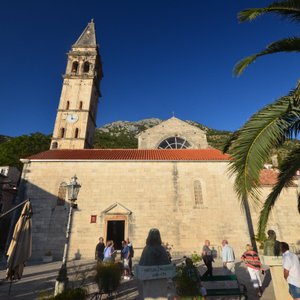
(125, 263)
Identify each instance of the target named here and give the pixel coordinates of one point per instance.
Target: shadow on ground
(244, 278)
(39, 280)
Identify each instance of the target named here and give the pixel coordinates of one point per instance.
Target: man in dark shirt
(207, 258)
(99, 252)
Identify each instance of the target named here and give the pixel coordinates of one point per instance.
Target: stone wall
(284, 218)
(145, 195)
(151, 138)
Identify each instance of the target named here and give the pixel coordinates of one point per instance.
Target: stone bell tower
(76, 115)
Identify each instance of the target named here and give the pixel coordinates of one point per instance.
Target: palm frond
(250, 14)
(288, 169)
(296, 95)
(287, 9)
(243, 64)
(251, 149)
(294, 129)
(230, 141)
(293, 118)
(291, 44)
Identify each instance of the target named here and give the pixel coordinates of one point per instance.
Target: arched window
(62, 132)
(76, 133)
(198, 193)
(54, 145)
(174, 143)
(86, 67)
(68, 105)
(74, 67)
(80, 105)
(61, 195)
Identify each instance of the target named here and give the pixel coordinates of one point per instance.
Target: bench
(240, 290)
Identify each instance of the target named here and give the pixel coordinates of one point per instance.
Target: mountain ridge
(119, 134)
(123, 134)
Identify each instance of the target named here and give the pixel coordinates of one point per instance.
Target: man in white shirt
(228, 258)
(291, 270)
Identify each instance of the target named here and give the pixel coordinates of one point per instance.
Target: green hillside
(116, 135)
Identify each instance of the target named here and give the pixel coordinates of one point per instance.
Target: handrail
(12, 209)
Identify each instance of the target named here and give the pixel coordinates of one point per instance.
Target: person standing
(99, 252)
(131, 250)
(228, 258)
(125, 259)
(291, 270)
(109, 252)
(254, 267)
(207, 258)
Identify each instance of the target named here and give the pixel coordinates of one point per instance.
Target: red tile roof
(133, 154)
(268, 177)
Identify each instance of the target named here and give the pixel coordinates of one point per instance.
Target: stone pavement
(244, 278)
(39, 279)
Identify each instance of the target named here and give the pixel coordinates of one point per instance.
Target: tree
(21, 147)
(287, 9)
(270, 127)
(104, 140)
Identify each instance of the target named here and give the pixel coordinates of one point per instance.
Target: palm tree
(287, 9)
(251, 146)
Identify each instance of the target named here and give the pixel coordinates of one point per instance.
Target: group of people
(107, 254)
(291, 265)
(249, 257)
(228, 258)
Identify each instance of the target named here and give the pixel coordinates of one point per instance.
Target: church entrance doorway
(116, 232)
(116, 224)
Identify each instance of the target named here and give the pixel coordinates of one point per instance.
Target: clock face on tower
(72, 118)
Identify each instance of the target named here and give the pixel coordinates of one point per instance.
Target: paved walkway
(39, 279)
(244, 278)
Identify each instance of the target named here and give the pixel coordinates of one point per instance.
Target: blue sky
(159, 56)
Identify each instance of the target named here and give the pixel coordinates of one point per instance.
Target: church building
(174, 181)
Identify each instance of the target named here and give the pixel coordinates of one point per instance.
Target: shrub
(68, 294)
(108, 276)
(186, 286)
(72, 294)
(196, 257)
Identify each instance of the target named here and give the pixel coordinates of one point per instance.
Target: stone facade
(9, 179)
(145, 195)
(76, 115)
(186, 194)
(284, 217)
(173, 127)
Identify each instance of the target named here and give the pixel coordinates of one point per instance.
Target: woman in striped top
(254, 266)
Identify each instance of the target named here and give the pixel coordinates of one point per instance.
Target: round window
(174, 143)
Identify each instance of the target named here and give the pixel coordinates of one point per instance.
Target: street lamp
(62, 278)
(73, 190)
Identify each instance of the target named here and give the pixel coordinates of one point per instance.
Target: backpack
(131, 250)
